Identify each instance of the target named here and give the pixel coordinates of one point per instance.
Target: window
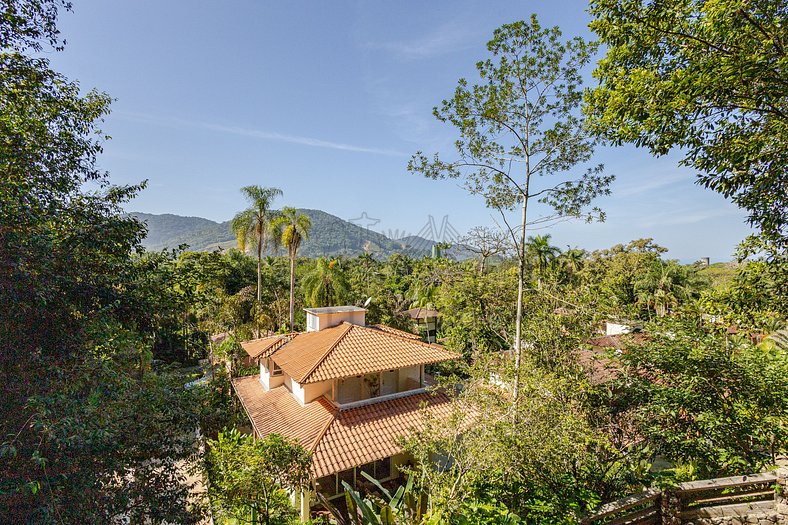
(275, 370)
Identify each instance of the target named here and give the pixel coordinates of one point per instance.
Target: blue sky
(328, 100)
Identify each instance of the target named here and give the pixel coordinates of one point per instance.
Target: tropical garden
(99, 336)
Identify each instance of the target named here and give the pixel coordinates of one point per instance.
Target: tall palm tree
(325, 285)
(252, 224)
(541, 252)
(289, 228)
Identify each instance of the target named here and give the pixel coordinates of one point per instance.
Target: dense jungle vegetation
(98, 337)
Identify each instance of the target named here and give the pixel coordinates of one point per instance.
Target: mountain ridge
(330, 236)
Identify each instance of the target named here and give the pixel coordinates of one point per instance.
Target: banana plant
(404, 507)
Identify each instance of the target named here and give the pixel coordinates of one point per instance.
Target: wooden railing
(735, 496)
(639, 509)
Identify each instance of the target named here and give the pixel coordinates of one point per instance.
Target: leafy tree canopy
(708, 79)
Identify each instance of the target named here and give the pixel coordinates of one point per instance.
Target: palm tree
(325, 285)
(664, 287)
(541, 252)
(573, 259)
(252, 224)
(289, 228)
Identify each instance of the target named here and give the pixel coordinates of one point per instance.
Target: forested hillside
(329, 236)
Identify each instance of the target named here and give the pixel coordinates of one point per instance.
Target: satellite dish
(366, 303)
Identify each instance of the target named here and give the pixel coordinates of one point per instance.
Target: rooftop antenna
(369, 300)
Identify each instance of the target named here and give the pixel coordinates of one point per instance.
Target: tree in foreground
(250, 478)
(289, 229)
(707, 79)
(518, 126)
(253, 224)
(89, 433)
(710, 407)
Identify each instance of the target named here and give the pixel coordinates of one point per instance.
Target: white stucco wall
(265, 377)
(269, 381)
(323, 321)
(309, 392)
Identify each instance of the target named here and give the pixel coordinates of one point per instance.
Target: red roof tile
(338, 440)
(277, 411)
(265, 346)
(369, 433)
(348, 350)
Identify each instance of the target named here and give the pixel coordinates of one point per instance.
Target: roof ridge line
(322, 434)
(402, 337)
(328, 351)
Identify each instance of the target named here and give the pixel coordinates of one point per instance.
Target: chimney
(321, 318)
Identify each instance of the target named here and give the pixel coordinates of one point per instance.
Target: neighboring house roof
(421, 313)
(598, 367)
(218, 338)
(265, 346)
(618, 341)
(596, 361)
(338, 440)
(349, 350)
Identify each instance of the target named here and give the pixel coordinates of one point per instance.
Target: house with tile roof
(346, 391)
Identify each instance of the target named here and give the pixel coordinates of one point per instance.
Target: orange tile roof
(338, 440)
(278, 411)
(265, 346)
(349, 350)
(401, 333)
(369, 433)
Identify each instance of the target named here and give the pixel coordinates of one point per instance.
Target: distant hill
(330, 236)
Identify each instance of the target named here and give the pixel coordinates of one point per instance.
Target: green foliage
(325, 284)
(405, 507)
(486, 513)
(89, 432)
(250, 478)
(289, 228)
(708, 79)
(704, 402)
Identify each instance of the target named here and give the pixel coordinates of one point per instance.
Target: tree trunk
(259, 269)
(520, 286)
(292, 292)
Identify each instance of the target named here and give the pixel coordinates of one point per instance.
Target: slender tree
(252, 224)
(517, 125)
(289, 228)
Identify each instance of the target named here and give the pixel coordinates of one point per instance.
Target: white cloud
(448, 38)
(253, 133)
(643, 185)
